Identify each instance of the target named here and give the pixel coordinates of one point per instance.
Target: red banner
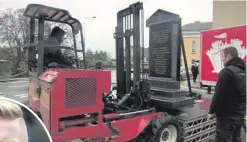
(215, 40)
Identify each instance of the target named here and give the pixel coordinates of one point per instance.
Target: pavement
(196, 85)
(16, 89)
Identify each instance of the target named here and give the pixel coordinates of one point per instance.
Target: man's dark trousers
(194, 77)
(228, 129)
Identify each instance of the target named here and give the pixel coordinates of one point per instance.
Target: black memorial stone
(164, 61)
(160, 50)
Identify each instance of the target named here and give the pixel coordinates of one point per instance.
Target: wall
(228, 13)
(188, 49)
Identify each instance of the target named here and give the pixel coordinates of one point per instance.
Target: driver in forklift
(54, 55)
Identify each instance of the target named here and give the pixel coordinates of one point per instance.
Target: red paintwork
(34, 103)
(45, 102)
(50, 75)
(238, 32)
(47, 76)
(129, 129)
(32, 96)
(52, 83)
(112, 116)
(205, 104)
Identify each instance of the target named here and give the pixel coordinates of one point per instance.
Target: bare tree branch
(14, 33)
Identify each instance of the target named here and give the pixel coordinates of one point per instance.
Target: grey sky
(99, 31)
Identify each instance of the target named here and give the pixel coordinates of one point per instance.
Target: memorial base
(161, 102)
(166, 93)
(163, 83)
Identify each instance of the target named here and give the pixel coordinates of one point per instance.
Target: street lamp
(84, 31)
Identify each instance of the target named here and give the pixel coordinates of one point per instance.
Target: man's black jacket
(54, 54)
(230, 92)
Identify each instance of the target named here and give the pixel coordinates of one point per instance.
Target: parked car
(183, 73)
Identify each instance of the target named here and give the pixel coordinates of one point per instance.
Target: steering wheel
(70, 48)
(70, 58)
(62, 47)
(56, 65)
(73, 59)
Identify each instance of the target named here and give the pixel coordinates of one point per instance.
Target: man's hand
(209, 116)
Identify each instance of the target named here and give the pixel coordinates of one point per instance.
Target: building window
(193, 46)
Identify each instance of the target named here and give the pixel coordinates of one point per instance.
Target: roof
(52, 14)
(161, 16)
(197, 26)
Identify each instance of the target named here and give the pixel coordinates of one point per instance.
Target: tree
(5, 53)
(90, 55)
(96, 55)
(14, 34)
(109, 56)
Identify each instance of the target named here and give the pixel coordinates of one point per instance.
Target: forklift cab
(35, 51)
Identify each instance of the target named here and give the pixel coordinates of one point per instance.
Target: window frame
(193, 46)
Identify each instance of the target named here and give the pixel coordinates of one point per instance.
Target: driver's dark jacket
(229, 100)
(54, 54)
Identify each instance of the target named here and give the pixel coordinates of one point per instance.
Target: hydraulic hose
(113, 129)
(125, 98)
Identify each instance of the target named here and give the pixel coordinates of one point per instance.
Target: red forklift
(77, 104)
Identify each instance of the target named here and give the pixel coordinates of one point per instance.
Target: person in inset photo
(18, 124)
(12, 124)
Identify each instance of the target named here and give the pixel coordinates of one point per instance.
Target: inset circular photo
(19, 124)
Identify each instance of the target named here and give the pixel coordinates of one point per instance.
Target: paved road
(16, 90)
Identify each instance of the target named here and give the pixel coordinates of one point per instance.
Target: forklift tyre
(164, 128)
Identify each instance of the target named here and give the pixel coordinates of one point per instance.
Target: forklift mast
(128, 55)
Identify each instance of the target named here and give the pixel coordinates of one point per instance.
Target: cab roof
(52, 14)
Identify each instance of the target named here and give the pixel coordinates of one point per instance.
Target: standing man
(229, 100)
(194, 70)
